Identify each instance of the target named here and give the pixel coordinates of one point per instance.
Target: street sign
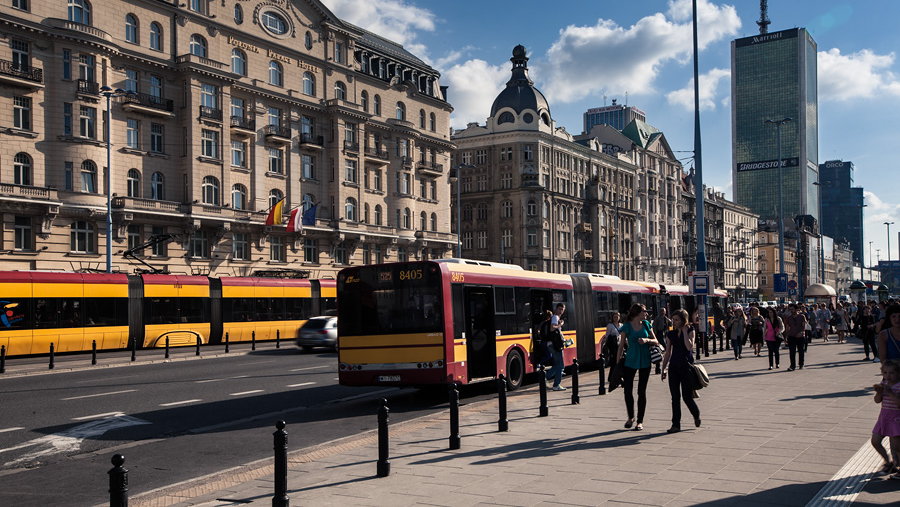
(792, 291)
(792, 284)
(700, 283)
(701, 318)
(780, 284)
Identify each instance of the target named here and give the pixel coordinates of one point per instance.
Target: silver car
(318, 332)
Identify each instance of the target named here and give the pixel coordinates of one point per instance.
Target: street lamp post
(821, 273)
(455, 175)
(778, 124)
(888, 225)
(109, 93)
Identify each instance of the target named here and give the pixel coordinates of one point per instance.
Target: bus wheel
(515, 370)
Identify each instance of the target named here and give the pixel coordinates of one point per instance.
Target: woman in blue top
(640, 338)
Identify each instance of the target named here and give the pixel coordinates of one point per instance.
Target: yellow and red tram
(435, 322)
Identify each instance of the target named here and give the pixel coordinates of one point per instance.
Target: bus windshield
(389, 299)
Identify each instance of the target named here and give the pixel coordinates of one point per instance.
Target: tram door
(481, 337)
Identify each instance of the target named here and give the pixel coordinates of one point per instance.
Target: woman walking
(773, 337)
(640, 338)
(867, 333)
(738, 328)
(889, 337)
(757, 325)
(611, 344)
(842, 322)
(676, 363)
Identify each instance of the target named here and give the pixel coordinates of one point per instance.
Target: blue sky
(584, 53)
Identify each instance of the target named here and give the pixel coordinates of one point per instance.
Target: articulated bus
(118, 311)
(453, 320)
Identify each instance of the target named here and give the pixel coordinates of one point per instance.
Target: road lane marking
(208, 380)
(240, 376)
(363, 395)
(311, 368)
(98, 416)
(7, 430)
(301, 385)
(246, 392)
(172, 404)
(99, 394)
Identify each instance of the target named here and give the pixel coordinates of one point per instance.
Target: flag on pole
(295, 221)
(276, 214)
(309, 216)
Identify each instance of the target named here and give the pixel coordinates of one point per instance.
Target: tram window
(70, 314)
(160, 310)
(504, 301)
(329, 304)
(298, 308)
(523, 310)
(105, 311)
(237, 309)
(16, 314)
(193, 309)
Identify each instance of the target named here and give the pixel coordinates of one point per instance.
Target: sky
(584, 53)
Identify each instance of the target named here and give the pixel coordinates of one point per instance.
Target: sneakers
(559, 388)
(697, 422)
(770, 367)
(790, 368)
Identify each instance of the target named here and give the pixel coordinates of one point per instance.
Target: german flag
(276, 214)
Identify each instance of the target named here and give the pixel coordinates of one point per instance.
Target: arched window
(432, 122)
(434, 221)
(309, 201)
(340, 90)
(545, 118)
(276, 74)
(309, 84)
(378, 214)
(210, 190)
(82, 237)
(506, 209)
(198, 46)
(307, 40)
(423, 221)
(364, 101)
(238, 196)
(238, 14)
(274, 23)
(400, 112)
(89, 177)
(22, 169)
(275, 195)
(238, 62)
(407, 218)
(366, 213)
(376, 105)
(350, 209)
(158, 187)
(134, 183)
(156, 40)
(422, 119)
(506, 117)
(80, 11)
(131, 29)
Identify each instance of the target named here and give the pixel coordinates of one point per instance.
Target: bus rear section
(391, 325)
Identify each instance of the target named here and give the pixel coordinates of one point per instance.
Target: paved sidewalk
(768, 438)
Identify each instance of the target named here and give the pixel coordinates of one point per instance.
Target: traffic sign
(792, 284)
(700, 283)
(780, 283)
(792, 291)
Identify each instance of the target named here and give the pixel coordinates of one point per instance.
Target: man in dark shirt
(795, 328)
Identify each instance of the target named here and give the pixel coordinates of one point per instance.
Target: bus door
(481, 336)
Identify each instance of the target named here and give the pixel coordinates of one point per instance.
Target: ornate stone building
(220, 111)
(714, 229)
(740, 243)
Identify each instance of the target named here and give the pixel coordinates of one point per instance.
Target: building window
(131, 29)
(506, 209)
(238, 62)
(432, 122)
(134, 236)
(238, 14)
(434, 224)
(309, 201)
(20, 4)
(81, 239)
(156, 39)
(276, 249)
(198, 46)
(481, 236)
(467, 240)
(274, 23)
(210, 190)
(407, 218)
(22, 169)
(67, 64)
(87, 122)
(159, 248)
(275, 196)
(376, 105)
(366, 215)
(532, 208)
(376, 179)
(22, 113)
(482, 211)
(209, 96)
(507, 238)
(134, 183)
(340, 90)
(481, 157)
(379, 215)
(311, 250)
(156, 87)
(339, 52)
(433, 190)
(87, 68)
(350, 212)
(309, 84)
(340, 254)
(307, 40)
(402, 255)
(89, 177)
(351, 172)
(423, 221)
(506, 180)
(199, 245)
(24, 235)
(422, 119)
(367, 254)
(238, 154)
(400, 111)
(131, 80)
(532, 239)
(308, 163)
(79, 11)
(68, 171)
(240, 247)
(276, 74)
(133, 134)
(528, 152)
(198, 6)
(307, 127)
(157, 131)
(239, 196)
(364, 101)
(209, 143)
(276, 161)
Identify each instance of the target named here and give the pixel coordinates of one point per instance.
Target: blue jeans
(555, 372)
(738, 347)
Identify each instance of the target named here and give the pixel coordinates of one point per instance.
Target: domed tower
(520, 105)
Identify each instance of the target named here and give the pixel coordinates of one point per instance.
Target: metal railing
(243, 122)
(306, 138)
(145, 99)
(88, 87)
(21, 71)
(211, 113)
(277, 130)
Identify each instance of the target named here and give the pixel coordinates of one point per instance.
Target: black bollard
(2, 358)
(277, 338)
(167, 347)
(715, 338)
(253, 340)
(502, 422)
(226, 343)
(133, 350)
(94, 353)
(118, 482)
(602, 373)
(454, 417)
(384, 464)
(575, 398)
(198, 346)
(543, 391)
(706, 345)
(51, 355)
(281, 498)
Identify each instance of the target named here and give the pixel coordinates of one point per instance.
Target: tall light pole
(109, 93)
(888, 225)
(778, 124)
(455, 174)
(871, 259)
(821, 272)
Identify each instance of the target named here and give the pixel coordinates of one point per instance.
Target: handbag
(655, 354)
(699, 376)
(615, 375)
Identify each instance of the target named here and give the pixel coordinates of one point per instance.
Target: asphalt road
(176, 421)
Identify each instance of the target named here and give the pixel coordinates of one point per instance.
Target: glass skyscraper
(616, 115)
(773, 76)
(842, 205)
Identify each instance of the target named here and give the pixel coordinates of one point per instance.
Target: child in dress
(888, 394)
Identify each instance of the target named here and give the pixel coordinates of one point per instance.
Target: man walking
(795, 325)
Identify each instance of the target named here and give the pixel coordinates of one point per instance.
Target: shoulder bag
(656, 351)
(699, 376)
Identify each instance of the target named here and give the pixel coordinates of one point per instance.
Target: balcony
(443, 237)
(28, 192)
(242, 125)
(310, 141)
(430, 168)
(583, 227)
(139, 204)
(190, 60)
(148, 104)
(585, 254)
(277, 134)
(406, 161)
(401, 123)
(210, 113)
(376, 153)
(21, 75)
(86, 87)
(78, 27)
(351, 146)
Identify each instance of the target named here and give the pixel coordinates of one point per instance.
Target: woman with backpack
(676, 363)
(640, 337)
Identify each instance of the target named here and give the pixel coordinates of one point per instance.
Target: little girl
(888, 394)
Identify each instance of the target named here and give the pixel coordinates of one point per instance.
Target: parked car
(318, 332)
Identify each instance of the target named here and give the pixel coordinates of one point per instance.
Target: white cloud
(395, 20)
(606, 57)
(474, 84)
(709, 90)
(876, 213)
(859, 75)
